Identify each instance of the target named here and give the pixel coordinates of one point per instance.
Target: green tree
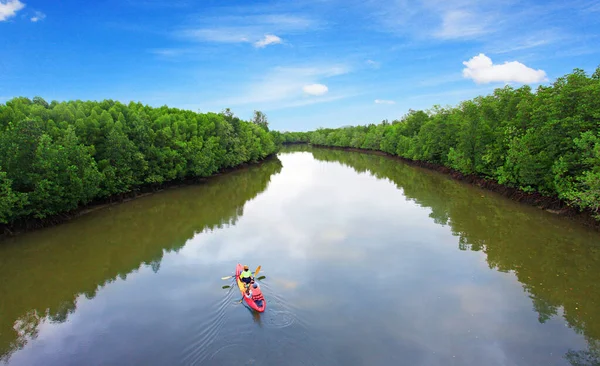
(546, 142)
(260, 119)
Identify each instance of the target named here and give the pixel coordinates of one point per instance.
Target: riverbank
(550, 204)
(30, 224)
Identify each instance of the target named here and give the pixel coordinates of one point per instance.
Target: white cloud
(267, 40)
(168, 52)
(9, 8)
(481, 69)
(383, 101)
(310, 101)
(286, 21)
(523, 46)
(462, 24)
(257, 29)
(315, 89)
(443, 19)
(224, 35)
(591, 6)
(373, 64)
(38, 16)
(281, 86)
(542, 38)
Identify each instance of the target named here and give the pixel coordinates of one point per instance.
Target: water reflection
(41, 282)
(557, 262)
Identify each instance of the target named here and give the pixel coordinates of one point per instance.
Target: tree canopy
(55, 157)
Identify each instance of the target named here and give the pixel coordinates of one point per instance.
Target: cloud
(282, 86)
(441, 19)
(383, 101)
(585, 6)
(481, 69)
(462, 24)
(223, 35)
(157, 3)
(315, 89)
(9, 8)
(373, 64)
(520, 42)
(168, 52)
(286, 21)
(38, 16)
(257, 29)
(267, 40)
(493, 23)
(310, 101)
(594, 8)
(527, 44)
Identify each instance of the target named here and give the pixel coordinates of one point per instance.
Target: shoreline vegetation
(541, 148)
(62, 160)
(30, 224)
(550, 204)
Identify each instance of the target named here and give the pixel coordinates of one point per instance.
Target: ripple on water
(205, 331)
(291, 352)
(280, 313)
(279, 319)
(235, 354)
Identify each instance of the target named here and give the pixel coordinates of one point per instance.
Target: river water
(368, 261)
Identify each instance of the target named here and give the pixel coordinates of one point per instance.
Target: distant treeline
(547, 141)
(56, 157)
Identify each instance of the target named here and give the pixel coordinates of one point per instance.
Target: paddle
(259, 278)
(228, 277)
(256, 272)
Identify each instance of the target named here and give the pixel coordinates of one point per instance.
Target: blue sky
(305, 63)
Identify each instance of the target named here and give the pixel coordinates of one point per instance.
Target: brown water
(367, 261)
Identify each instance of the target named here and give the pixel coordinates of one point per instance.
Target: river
(367, 261)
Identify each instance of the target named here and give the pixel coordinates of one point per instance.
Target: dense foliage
(547, 141)
(55, 157)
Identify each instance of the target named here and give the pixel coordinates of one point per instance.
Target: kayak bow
(238, 269)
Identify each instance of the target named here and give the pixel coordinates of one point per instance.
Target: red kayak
(238, 269)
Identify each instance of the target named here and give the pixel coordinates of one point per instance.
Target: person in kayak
(246, 276)
(256, 295)
(248, 287)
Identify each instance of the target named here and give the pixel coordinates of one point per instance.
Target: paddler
(256, 295)
(246, 276)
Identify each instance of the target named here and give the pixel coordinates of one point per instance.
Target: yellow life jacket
(245, 274)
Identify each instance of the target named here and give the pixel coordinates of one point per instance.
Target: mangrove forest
(545, 140)
(60, 156)
(56, 157)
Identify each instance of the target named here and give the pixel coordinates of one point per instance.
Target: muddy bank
(30, 224)
(551, 204)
